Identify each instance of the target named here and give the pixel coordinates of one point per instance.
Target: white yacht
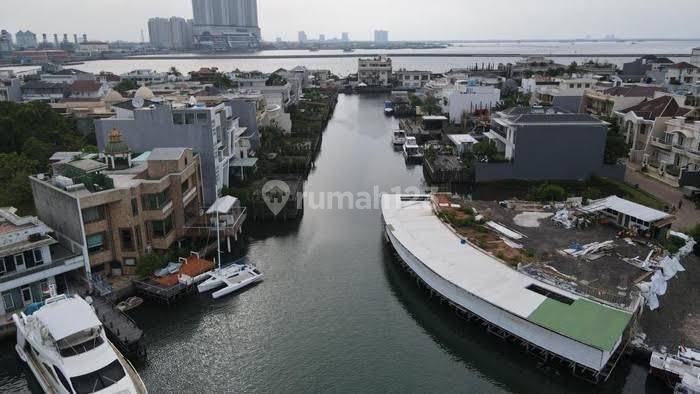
(411, 150)
(233, 277)
(399, 137)
(65, 346)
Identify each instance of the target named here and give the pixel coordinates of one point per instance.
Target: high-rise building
(381, 36)
(302, 37)
(344, 36)
(5, 41)
(322, 37)
(226, 24)
(172, 33)
(25, 39)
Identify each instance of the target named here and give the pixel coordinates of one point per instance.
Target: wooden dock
(120, 329)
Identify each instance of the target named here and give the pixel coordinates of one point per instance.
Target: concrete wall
(155, 129)
(553, 153)
(58, 210)
(247, 117)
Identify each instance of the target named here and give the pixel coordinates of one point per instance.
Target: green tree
(126, 85)
(431, 106)
(615, 145)
(222, 81)
(15, 170)
(547, 193)
(149, 263)
(275, 80)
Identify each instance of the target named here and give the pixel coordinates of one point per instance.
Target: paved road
(688, 215)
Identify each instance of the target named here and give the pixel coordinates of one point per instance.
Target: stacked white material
(670, 266)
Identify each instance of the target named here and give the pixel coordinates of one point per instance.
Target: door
(627, 221)
(27, 295)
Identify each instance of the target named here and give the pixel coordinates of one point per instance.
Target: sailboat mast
(218, 238)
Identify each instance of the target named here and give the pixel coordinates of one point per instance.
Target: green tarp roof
(584, 321)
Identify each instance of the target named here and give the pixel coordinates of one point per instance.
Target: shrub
(148, 264)
(673, 244)
(547, 192)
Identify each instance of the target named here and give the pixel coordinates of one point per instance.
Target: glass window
(93, 214)
(7, 264)
(134, 207)
(189, 118)
(156, 201)
(19, 259)
(161, 228)
(201, 117)
(127, 238)
(27, 295)
(63, 380)
(178, 118)
(185, 186)
(8, 301)
(29, 259)
(96, 242)
(38, 258)
(99, 380)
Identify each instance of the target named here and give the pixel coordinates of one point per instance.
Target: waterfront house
(31, 261)
(645, 123)
(466, 97)
(10, 87)
(604, 103)
(636, 71)
(211, 129)
(674, 155)
(67, 75)
(36, 90)
(682, 73)
(374, 71)
(566, 93)
(120, 208)
(412, 79)
(89, 89)
(145, 77)
(540, 143)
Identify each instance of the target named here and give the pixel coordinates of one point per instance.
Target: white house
(374, 71)
(468, 96)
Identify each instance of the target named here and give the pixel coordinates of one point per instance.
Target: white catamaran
(66, 348)
(232, 277)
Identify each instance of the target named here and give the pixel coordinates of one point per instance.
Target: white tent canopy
(626, 207)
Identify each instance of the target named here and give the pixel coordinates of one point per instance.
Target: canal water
(335, 313)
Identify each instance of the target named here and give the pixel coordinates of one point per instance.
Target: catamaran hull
(231, 289)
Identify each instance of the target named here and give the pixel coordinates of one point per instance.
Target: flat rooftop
(416, 226)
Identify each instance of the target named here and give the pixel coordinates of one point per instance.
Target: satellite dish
(137, 102)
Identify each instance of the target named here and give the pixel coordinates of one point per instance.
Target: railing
(660, 142)
(43, 267)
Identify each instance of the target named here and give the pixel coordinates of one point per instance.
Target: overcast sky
(405, 20)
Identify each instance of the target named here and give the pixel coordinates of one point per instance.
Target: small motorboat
(129, 304)
(388, 108)
(399, 137)
(214, 279)
(411, 149)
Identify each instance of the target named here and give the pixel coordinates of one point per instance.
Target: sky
(405, 20)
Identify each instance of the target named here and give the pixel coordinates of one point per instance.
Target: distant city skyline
(509, 19)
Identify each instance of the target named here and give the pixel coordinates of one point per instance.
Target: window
(27, 295)
(201, 117)
(156, 201)
(178, 119)
(96, 243)
(9, 302)
(29, 261)
(94, 214)
(189, 118)
(161, 228)
(130, 262)
(63, 380)
(588, 85)
(185, 186)
(38, 258)
(134, 207)
(578, 86)
(127, 238)
(99, 380)
(7, 265)
(19, 259)
(571, 86)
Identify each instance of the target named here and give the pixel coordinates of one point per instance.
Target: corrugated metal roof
(626, 207)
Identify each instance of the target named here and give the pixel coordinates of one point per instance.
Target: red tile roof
(634, 91)
(85, 86)
(664, 106)
(682, 65)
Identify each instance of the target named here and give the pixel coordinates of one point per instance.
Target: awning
(222, 205)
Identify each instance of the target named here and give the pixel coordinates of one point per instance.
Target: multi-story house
(546, 143)
(67, 75)
(567, 93)
(10, 87)
(604, 103)
(465, 97)
(210, 129)
(374, 71)
(676, 150)
(412, 79)
(36, 90)
(122, 208)
(682, 73)
(145, 77)
(645, 121)
(31, 261)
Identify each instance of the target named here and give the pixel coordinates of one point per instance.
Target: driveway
(687, 217)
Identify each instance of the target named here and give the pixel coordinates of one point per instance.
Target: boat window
(68, 349)
(63, 379)
(99, 380)
(414, 198)
(551, 294)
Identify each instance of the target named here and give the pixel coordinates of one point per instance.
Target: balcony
(660, 143)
